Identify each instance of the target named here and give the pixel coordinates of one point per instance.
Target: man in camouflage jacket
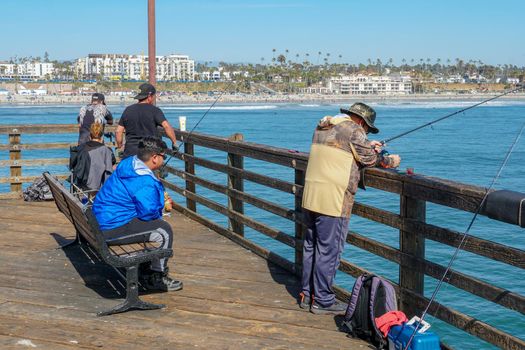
(340, 149)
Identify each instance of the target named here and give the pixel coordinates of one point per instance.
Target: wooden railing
(16, 148)
(414, 193)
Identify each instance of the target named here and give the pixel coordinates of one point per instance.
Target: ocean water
(468, 148)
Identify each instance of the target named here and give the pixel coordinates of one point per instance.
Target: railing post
(14, 154)
(235, 182)
(410, 277)
(299, 228)
(189, 167)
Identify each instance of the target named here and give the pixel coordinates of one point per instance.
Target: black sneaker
(337, 308)
(304, 301)
(162, 282)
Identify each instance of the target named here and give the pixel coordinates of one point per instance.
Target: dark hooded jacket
(91, 164)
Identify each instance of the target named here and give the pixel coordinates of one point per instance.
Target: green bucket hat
(365, 112)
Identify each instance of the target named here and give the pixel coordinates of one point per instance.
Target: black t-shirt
(140, 120)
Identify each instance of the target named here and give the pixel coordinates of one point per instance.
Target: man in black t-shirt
(96, 112)
(141, 120)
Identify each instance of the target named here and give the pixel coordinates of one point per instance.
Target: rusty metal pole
(151, 43)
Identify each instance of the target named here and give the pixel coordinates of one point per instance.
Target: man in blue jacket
(131, 201)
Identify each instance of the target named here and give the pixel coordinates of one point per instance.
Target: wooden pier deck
(232, 299)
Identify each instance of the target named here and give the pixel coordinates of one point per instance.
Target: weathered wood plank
(11, 195)
(45, 128)
(235, 183)
(24, 179)
(35, 162)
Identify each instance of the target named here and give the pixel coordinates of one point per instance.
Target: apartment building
(135, 67)
(26, 70)
(365, 85)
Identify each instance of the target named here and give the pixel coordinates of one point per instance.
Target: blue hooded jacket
(132, 191)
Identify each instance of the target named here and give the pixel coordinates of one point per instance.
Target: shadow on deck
(231, 297)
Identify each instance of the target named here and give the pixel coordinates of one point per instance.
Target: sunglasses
(163, 155)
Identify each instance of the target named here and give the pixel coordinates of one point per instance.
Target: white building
(364, 85)
(135, 67)
(511, 80)
(205, 76)
(26, 70)
(41, 90)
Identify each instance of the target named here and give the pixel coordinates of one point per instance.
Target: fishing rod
(450, 115)
(176, 150)
(465, 235)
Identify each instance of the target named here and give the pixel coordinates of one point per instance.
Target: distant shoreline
(23, 100)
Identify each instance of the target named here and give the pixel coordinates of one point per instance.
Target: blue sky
(246, 30)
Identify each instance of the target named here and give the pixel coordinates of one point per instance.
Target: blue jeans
(323, 244)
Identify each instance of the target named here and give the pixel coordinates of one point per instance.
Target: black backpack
(372, 297)
(38, 191)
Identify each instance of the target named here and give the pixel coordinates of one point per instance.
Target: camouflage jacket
(340, 148)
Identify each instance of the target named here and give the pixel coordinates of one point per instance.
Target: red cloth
(390, 319)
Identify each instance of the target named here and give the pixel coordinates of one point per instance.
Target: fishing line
(194, 127)
(464, 237)
(450, 115)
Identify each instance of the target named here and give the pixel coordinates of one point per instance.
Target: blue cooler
(398, 337)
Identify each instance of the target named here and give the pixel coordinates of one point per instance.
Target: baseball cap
(146, 90)
(97, 96)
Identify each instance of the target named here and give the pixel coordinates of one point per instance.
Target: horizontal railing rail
(414, 191)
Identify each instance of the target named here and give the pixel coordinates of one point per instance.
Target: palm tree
(318, 56)
(281, 59)
(379, 65)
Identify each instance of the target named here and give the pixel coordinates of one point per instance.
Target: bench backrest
(55, 187)
(72, 209)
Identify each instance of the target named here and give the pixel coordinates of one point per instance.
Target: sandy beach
(251, 98)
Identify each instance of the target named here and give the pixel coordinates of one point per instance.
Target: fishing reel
(384, 153)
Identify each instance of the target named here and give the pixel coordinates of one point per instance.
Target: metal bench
(128, 256)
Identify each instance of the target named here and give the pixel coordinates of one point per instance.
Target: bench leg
(132, 296)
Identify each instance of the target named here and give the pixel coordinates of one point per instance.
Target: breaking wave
(223, 108)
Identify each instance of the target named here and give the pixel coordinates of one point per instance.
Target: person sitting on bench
(92, 162)
(131, 202)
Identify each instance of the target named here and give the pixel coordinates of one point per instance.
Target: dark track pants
(158, 231)
(323, 244)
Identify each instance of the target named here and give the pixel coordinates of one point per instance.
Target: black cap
(97, 96)
(145, 91)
